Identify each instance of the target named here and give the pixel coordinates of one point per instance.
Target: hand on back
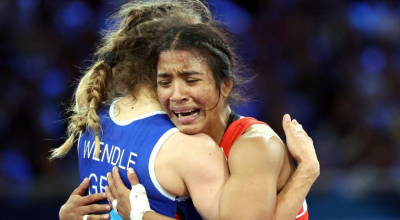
(300, 145)
(117, 190)
(78, 205)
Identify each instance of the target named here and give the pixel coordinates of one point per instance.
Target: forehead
(180, 60)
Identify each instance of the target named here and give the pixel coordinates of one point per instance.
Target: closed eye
(164, 83)
(192, 81)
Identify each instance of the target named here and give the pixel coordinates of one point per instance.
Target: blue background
(334, 65)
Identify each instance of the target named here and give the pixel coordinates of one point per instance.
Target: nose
(179, 93)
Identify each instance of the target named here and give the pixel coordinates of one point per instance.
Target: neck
(217, 130)
(138, 104)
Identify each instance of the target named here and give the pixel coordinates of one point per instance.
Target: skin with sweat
(186, 84)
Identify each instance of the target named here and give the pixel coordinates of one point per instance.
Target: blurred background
(334, 65)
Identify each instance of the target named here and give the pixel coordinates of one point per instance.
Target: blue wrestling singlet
(134, 143)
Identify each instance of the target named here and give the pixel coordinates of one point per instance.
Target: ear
(226, 88)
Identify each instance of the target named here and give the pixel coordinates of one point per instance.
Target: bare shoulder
(192, 142)
(259, 145)
(259, 136)
(191, 148)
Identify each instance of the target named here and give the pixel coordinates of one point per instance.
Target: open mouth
(188, 113)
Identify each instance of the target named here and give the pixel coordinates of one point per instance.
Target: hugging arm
(291, 197)
(202, 167)
(254, 162)
(250, 192)
(78, 205)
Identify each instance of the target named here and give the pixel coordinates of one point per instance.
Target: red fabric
(235, 130)
(177, 217)
(304, 216)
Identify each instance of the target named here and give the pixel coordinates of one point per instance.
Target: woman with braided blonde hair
(122, 123)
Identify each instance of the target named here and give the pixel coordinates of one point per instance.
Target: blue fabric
(115, 216)
(127, 145)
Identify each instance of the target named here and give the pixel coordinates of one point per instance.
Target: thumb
(286, 123)
(132, 176)
(82, 188)
(287, 126)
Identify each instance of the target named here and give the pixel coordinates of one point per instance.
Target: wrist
(310, 168)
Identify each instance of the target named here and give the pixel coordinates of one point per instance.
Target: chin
(187, 129)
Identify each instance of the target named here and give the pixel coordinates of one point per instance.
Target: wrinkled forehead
(180, 60)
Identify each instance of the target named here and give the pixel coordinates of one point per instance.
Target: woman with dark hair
(196, 82)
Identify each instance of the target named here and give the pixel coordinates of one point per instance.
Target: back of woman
(129, 143)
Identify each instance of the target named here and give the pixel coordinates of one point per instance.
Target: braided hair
(121, 61)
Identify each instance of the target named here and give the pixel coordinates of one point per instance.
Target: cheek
(162, 97)
(208, 96)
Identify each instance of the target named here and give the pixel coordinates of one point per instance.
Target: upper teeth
(185, 113)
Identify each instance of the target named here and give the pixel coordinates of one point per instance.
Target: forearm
(291, 197)
(155, 216)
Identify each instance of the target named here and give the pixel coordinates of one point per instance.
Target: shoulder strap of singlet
(232, 117)
(235, 130)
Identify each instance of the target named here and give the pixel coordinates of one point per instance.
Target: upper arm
(255, 163)
(204, 172)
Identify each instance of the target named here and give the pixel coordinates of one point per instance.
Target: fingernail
(104, 195)
(108, 174)
(287, 118)
(108, 207)
(131, 170)
(107, 217)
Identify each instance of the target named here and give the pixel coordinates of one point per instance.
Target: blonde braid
(95, 96)
(89, 95)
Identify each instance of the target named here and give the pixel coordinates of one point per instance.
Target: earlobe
(226, 88)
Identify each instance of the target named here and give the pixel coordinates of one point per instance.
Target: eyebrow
(184, 73)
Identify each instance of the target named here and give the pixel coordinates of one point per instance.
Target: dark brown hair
(213, 43)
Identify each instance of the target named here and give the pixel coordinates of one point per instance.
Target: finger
(98, 217)
(97, 208)
(82, 187)
(287, 126)
(298, 128)
(111, 185)
(299, 131)
(297, 124)
(133, 179)
(93, 198)
(117, 179)
(305, 132)
(110, 195)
